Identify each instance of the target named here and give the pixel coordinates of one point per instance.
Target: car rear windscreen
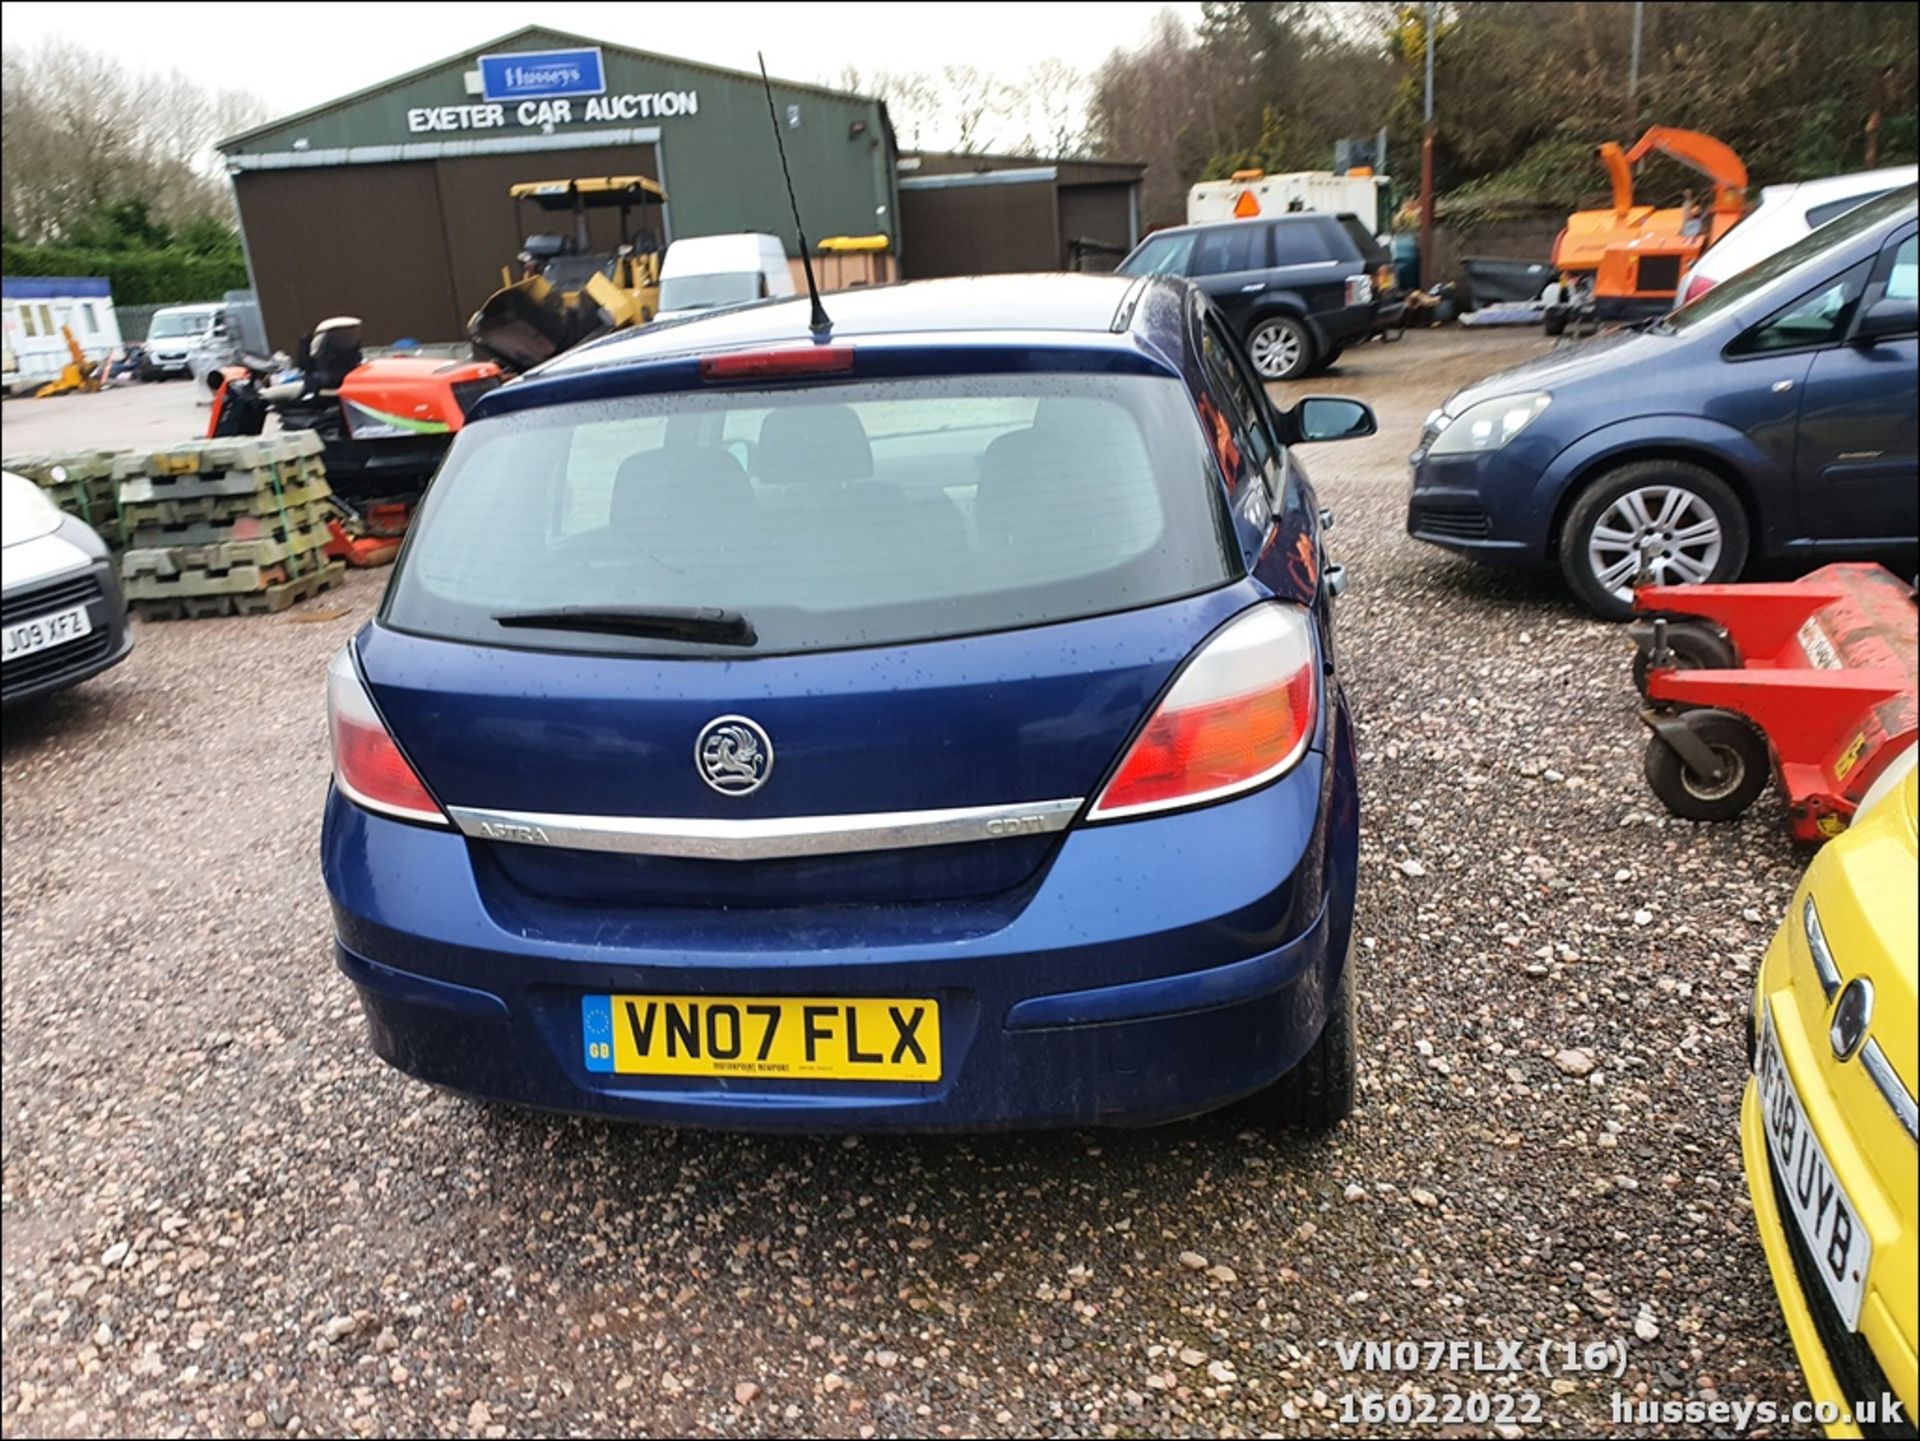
(1369, 249)
(826, 516)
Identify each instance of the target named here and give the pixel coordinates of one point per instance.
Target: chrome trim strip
(1823, 962)
(1892, 1087)
(761, 840)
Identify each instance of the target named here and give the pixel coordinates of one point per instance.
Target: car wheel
(1280, 348)
(1325, 362)
(1678, 522)
(1318, 1093)
(1745, 767)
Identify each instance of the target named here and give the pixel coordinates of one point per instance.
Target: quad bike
(384, 424)
(566, 293)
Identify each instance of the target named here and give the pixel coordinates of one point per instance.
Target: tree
(1271, 86)
(82, 133)
(1041, 110)
(1524, 91)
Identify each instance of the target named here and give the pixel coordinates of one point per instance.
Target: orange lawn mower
(384, 425)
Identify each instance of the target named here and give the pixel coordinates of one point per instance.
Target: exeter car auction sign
(545, 88)
(542, 74)
(641, 105)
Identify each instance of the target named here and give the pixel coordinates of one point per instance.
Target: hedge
(138, 277)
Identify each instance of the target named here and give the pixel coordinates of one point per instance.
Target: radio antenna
(819, 323)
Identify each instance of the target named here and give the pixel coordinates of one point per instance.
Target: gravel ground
(222, 1214)
(122, 416)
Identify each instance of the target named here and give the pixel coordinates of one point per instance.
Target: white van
(716, 272)
(171, 337)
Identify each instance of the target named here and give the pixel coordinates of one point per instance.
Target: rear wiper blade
(668, 622)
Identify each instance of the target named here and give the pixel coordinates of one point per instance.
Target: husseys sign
(539, 88)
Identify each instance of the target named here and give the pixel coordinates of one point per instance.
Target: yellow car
(1828, 1124)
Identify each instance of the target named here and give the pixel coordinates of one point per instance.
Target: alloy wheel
(1668, 530)
(1275, 350)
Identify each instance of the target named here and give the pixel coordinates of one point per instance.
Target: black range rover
(1299, 287)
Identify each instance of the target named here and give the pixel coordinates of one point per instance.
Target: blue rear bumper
(1154, 969)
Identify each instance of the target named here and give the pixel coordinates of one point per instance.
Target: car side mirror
(1327, 417)
(1886, 319)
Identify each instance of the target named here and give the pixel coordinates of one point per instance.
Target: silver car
(62, 615)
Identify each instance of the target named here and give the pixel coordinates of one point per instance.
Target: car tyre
(1281, 348)
(1691, 519)
(1325, 362)
(1746, 768)
(1319, 1092)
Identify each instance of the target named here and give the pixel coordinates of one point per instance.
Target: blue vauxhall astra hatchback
(927, 722)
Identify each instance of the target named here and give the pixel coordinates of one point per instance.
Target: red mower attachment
(1814, 678)
(369, 535)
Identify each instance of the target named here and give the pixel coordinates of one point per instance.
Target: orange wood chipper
(1628, 262)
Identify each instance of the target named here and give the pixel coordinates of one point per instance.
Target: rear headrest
(1072, 416)
(813, 444)
(679, 482)
(1023, 471)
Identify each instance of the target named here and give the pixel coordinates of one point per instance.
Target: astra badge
(733, 755)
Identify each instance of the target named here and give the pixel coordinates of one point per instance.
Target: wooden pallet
(223, 557)
(149, 508)
(269, 480)
(47, 469)
(273, 525)
(217, 457)
(268, 601)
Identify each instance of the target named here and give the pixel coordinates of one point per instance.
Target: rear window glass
(1227, 248)
(828, 516)
(1364, 244)
(1303, 242)
(1819, 215)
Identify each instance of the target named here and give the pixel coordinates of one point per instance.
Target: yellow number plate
(808, 1038)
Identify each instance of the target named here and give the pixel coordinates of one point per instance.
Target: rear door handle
(1781, 387)
(1250, 289)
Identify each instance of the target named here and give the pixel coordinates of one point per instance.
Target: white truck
(1249, 194)
(717, 272)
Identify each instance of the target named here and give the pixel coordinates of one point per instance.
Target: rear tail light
(773, 364)
(367, 764)
(1241, 714)
(1697, 286)
(1359, 289)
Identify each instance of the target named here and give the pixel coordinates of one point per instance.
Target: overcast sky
(302, 54)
